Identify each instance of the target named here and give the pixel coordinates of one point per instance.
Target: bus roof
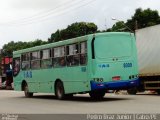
(65, 42)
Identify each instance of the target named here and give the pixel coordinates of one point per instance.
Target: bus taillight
(116, 78)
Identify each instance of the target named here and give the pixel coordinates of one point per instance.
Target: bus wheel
(99, 94)
(26, 92)
(69, 96)
(158, 92)
(132, 91)
(59, 90)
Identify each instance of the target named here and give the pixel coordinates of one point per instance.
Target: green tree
(144, 18)
(73, 30)
(140, 19)
(13, 46)
(118, 26)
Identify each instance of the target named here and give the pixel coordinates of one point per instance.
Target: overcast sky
(27, 20)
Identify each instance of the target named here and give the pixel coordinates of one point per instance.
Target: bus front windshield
(113, 46)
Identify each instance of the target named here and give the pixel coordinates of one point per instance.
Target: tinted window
(35, 55)
(35, 64)
(45, 54)
(46, 61)
(25, 57)
(83, 53)
(16, 66)
(25, 61)
(59, 59)
(35, 60)
(73, 55)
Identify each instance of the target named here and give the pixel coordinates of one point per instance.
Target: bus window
(59, 57)
(25, 61)
(83, 53)
(35, 60)
(35, 55)
(16, 66)
(46, 61)
(73, 55)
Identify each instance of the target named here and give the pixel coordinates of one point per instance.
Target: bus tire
(69, 96)
(158, 92)
(132, 91)
(59, 90)
(26, 91)
(98, 94)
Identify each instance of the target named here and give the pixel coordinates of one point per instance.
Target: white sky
(27, 20)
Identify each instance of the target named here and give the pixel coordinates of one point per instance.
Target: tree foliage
(13, 46)
(118, 26)
(140, 19)
(143, 18)
(73, 30)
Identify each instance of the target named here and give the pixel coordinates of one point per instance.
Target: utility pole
(136, 25)
(105, 24)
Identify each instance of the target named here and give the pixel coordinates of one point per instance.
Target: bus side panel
(76, 79)
(18, 82)
(73, 78)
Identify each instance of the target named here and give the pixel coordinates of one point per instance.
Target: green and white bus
(89, 64)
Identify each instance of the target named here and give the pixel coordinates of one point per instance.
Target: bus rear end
(114, 62)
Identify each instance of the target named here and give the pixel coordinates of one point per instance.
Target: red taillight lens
(116, 78)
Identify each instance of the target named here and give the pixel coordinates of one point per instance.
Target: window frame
(64, 52)
(19, 66)
(46, 59)
(26, 60)
(68, 56)
(59, 60)
(35, 60)
(85, 53)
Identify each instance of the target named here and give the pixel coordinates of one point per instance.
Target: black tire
(158, 92)
(26, 92)
(99, 94)
(68, 96)
(59, 91)
(132, 91)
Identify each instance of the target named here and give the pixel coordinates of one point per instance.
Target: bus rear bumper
(116, 85)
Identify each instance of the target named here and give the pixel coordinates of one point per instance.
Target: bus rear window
(113, 46)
